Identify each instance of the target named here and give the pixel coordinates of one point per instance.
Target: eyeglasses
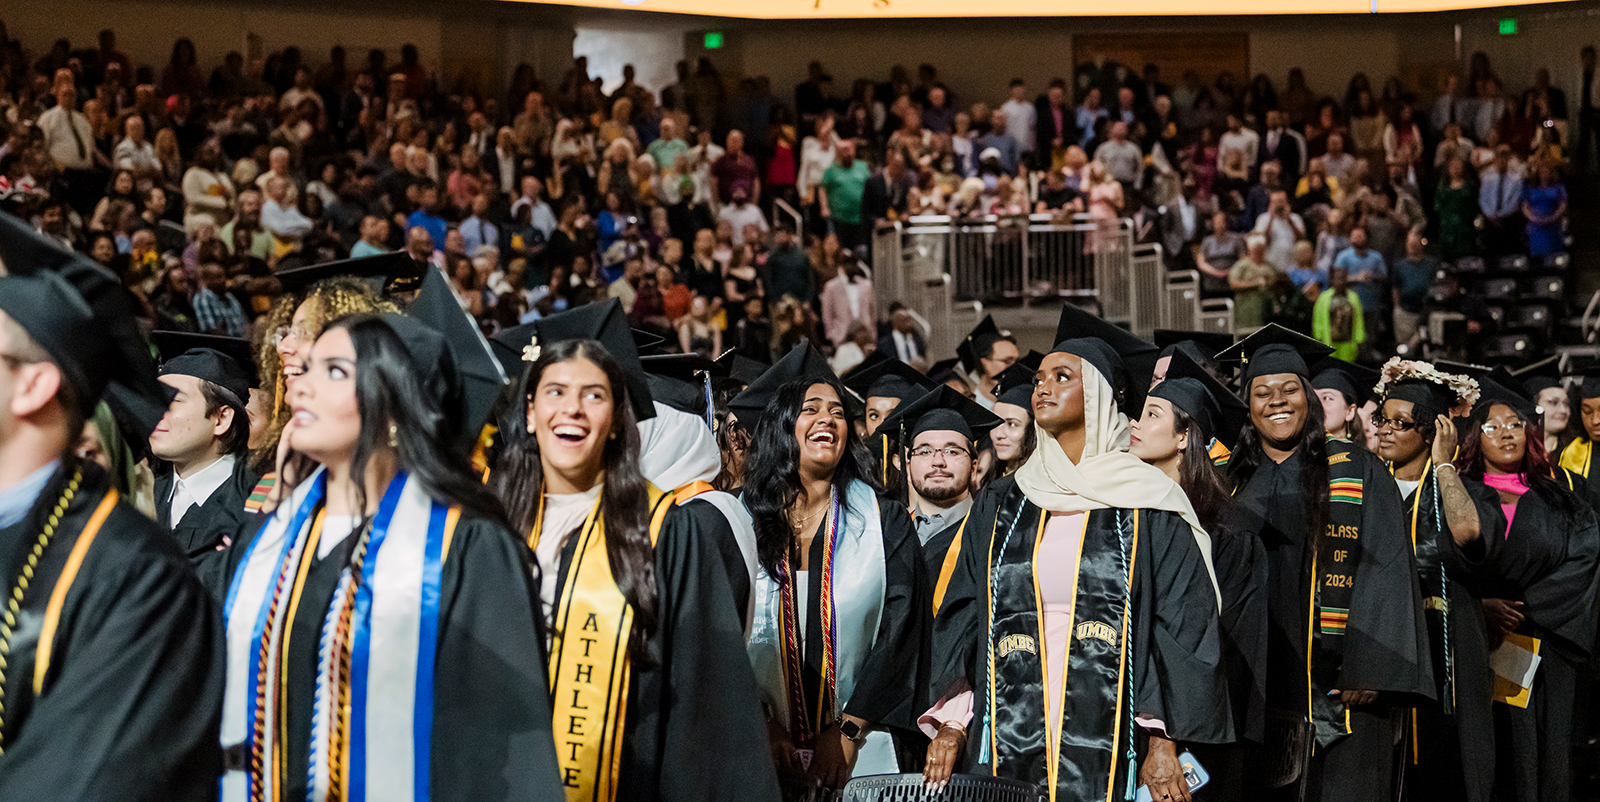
(949, 452)
(1493, 429)
(300, 333)
(1379, 422)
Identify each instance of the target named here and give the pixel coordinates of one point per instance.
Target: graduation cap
(648, 342)
(171, 344)
(1542, 375)
(977, 344)
(392, 272)
(80, 315)
(682, 381)
(741, 368)
(1124, 360)
(802, 362)
(1273, 349)
(1014, 386)
(478, 370)
(1590, 386)
(1204, 398)
(215, 367)
(889, 378)
(1429, 399)
(1204, 343)
(939, 410)
(606, 323)
(1498, 386)
(944, 370)
(1351, 380)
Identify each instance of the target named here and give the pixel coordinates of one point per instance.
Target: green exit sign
(1508, 27)
(714, 39)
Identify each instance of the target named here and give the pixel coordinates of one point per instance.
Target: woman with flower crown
(1451, 753)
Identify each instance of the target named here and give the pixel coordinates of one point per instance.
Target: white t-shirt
(563, 514)
(1407, 488)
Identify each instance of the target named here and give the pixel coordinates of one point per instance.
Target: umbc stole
(649, 740)
(1344, 613)
(114, 675)
(1146, 642)
(1451, 752)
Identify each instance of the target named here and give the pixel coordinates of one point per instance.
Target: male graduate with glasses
(111, 669)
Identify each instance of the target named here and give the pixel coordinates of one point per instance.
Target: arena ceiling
(863, 9)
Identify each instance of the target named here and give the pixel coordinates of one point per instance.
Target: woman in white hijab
(1086, 677)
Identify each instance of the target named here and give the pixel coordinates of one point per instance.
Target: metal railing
(933, 263)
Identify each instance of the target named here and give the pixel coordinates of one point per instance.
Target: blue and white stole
(373, 717)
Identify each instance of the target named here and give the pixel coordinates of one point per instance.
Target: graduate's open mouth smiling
(570, 434)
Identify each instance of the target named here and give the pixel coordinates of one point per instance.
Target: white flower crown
(1397, 370)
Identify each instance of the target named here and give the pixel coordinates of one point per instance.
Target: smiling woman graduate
(840, 631)
(653, 696)
(1078, 640)
(1347, 649)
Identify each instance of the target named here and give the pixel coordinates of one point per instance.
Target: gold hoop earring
(394, 436)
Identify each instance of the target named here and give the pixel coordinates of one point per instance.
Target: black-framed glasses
(1395, 424)
(949, 452)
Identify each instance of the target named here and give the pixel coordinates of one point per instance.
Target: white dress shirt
(198, 487)
(58, 125)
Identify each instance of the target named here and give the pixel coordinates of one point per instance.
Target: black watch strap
(851, 730)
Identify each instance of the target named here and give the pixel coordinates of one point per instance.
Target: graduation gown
(204, 527)
(1173, 631)
(491, 714)
(713, 522)
(1375, 639)
(1548, 561)
(888, 678)
(1241, 565)
(132, 691)
(1451, 753)
(693, 728)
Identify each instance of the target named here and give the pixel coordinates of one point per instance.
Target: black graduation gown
(1385, 646)
(1241, 565)
(1548, 562)
(710, 521)
(1451, 753)
(891, 684)
(133, 697)
(204, 527)
(1176, 641)
(937, 549)
(694, 729)
(491, 724)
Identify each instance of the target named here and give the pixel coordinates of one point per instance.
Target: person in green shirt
(1249, 278)
(840, 193)
(668, 148)
(1336, 317)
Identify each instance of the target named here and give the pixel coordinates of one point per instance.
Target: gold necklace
(14, 600)
(800, 527)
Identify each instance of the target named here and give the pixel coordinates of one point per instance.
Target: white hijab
(1107, 477)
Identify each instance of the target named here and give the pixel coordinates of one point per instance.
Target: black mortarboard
(1124, 360)
(605, 322)
(1590, 387)
(1273, 349)
(1429, 399)
(802, 362)
(215, 367)
(1540, 376)
(741, 368)
(682, 381)
(889, 378)
(648, 343)
(170, 344)
(1204, 398)
(478, 371)
(1014, 386)
(434, 362)
(1352, 380)
(507, 345)
(79, 314)
(944, 370)
(1196, 343)
(977, 343)
(395, 271)
(940, 409)
(1500, 387)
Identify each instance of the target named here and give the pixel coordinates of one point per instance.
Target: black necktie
(76, 138)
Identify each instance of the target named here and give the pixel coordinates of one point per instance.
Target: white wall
(652, 52)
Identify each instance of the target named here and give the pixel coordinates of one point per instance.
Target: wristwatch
(853, 731)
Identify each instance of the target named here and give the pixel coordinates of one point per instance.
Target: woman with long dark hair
(1451, 756)
(839, 636)
(1078, 638)
(1187, 414)
(1347, 647)
(642, 622)
(1538, 586)
(1014, 439)
(382, 625)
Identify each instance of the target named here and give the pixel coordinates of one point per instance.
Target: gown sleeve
(713, 738)
(492, 719)
(1386, 643)
(710, 521)
(892, 690)
(1564, 600)
(1466, 561)
(1179, 680)
(134, 709)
